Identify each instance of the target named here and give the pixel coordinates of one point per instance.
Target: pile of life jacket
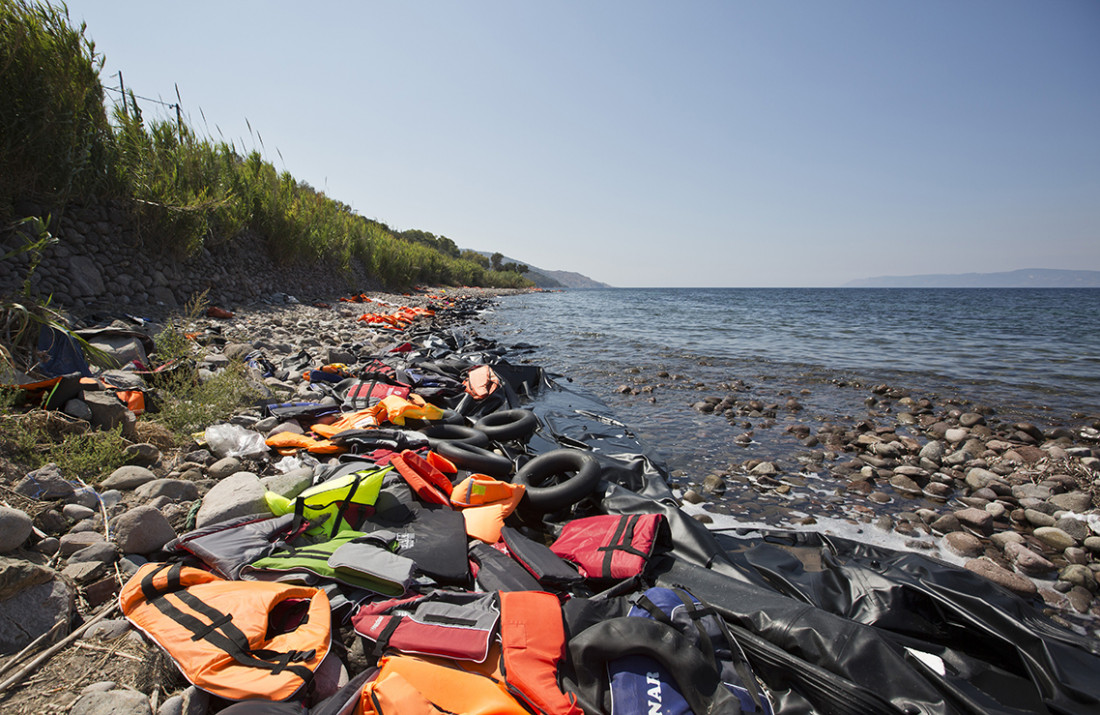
(467, 594)
(457, 592)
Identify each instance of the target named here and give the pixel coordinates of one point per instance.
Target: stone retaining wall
(102, 261)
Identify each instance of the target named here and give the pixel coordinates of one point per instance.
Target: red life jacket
(610, 546)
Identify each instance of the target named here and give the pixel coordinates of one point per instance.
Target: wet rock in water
(978, 520)
(1079, 575)
(1080, 598)
(946, 524)
(142, 530)
(905, 485)
(964, 543)
(1020, 585)
(1054, 537)
(765, 469)
(1027, 560)
(879, 497)
(693, 497)
(933, 452)
(714, 485)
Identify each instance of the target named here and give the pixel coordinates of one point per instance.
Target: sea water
(1029, 354)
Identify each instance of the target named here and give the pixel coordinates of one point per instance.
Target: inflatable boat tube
(504, 425)
(559, 462)
(437, 434)
(475, 459)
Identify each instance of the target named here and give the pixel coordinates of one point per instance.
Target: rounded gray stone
(239, 494)
(1076, 502)
(15, 529)
(142, 530)
(103, 551)
(113, 702)
(175, 489)
(77, 512)
(1054, 537)
(75, 541)
(143, 454)
(224, 467)
(130, 476)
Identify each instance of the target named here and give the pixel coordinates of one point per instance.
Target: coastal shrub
(53, 126)
(186, 191)
(37, 438)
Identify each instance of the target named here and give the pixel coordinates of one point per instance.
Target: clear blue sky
(718, 143)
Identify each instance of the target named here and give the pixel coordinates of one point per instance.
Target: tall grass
(186, 191)
(54, 133)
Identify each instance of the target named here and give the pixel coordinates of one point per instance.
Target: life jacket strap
(621, 541)
(383, 641)
(220, 632)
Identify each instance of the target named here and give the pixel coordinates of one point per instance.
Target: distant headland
(1023, 278)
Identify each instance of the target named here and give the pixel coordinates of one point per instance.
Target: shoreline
(282, 327)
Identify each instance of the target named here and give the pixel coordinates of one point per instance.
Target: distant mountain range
(544, 278)
(1023, 278)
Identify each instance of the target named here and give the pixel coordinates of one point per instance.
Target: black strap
(383, 640)
(737, 656)
(344, 505)
(621, 541)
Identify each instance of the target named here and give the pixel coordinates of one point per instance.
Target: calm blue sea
(1031, 353)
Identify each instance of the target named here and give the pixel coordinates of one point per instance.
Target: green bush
(56, 143)
(54, 132)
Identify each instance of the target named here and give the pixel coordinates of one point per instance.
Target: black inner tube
(504, 425)
(475, 459)
(437, 433)
(586, 476)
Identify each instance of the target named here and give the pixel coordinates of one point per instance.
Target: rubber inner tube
(558, 463)
(504, 425)
(437, 433)
(475, 459)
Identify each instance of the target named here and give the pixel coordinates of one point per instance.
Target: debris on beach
(410, 517)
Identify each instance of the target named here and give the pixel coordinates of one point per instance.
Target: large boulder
(239, 494)
(32, 600)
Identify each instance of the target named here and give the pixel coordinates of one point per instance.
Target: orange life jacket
(225, 636)
(485, 503)
(411, 684)
(533, 643)
(481, 382)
